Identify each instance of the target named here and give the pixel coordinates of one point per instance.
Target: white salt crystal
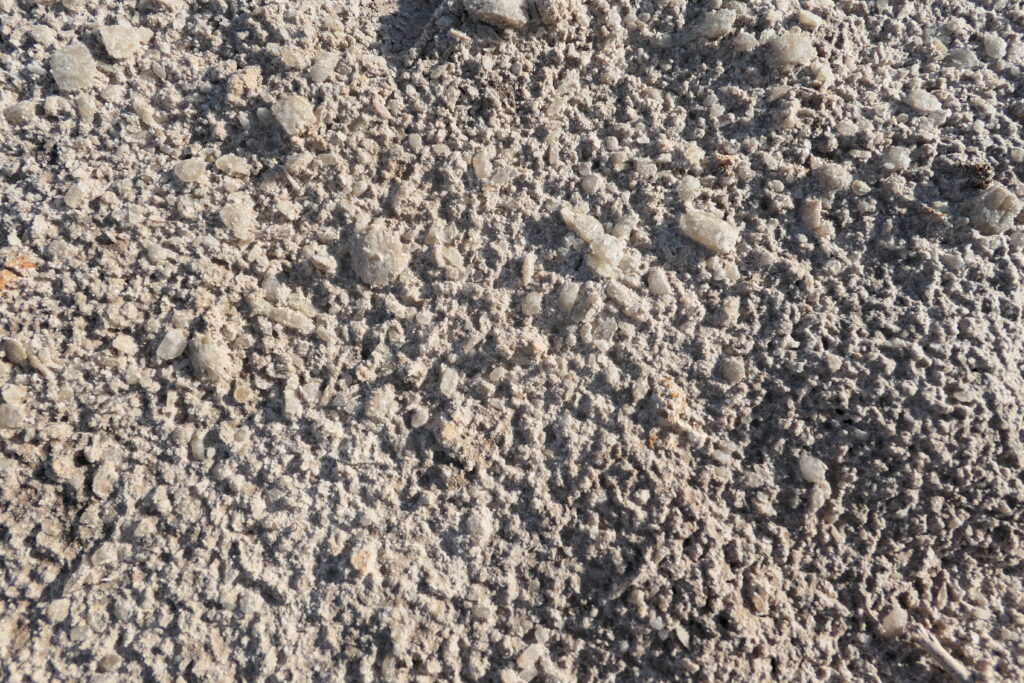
(896, 159)
(532, 303)
(172, 345)
(995, 45)
(121, 42)
(658, 282)
(449, 382)
(812, 469)
(293, 319)
(793, 49)
(895, 623)
(733, 370)
(744, 42)
(21, 113)
(125, 344)
(190, 170)
(211, 360)
(500, 13)
(923, 102)
(378, 256)
(605, 254)
(323, 67)
(709, 231)
(994, 210)
(717, 24)
(240, 217)
(529, 264)
(567, 296)
(233, 164)
(833, 177)
(11, 416)
(583, 224)
(73, 68)
(294, 113)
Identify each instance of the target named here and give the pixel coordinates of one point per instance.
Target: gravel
(499, 340)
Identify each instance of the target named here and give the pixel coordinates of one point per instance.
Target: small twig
(930, 644)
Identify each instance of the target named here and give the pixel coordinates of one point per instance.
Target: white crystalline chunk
(658, 282)
(500, 13)
(895, 623)
(713, 233)
(923, 102)
(896, 159)
(323, 67)
(172, 345)
(189, 170)
(73, 68)
(121, 42)
(212, 360)
(833, 177)
(793, 49)
(11, 416)
(531, 303)
(718, 23)
(21, 113)
(605, 255)
(378, 256)
(240, 217)
(567, 296)
(449, 382)
(233, 164)
(583, 224)
(812, 469)
(294, 113)
(293, 319)
(995, 45)
(994, 210)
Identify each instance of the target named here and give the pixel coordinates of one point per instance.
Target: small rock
(11, 416)
(21, 113)
(122, 42)
(793, 49)
(125, 344)
(923, 102)
(379, 256)
(190, 170)
(658, 282)
(58, 610)
(833, 178)
(211, 360)
(294, 113)
(73, 68)
(500, 13)
(709, 231)
(108, 663)
(232, 164)
(172, 345)
(239, 216)
(994, 210)
(812, 469)
(717, 24)
(895, 623)
(733, 370)
(995, 46)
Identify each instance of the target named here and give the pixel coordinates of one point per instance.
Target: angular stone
(73, 67)
(294, 113)
(500, 13)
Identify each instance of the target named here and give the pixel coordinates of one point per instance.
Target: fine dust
(512, 340)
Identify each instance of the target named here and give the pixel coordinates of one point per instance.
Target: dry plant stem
(930, 644)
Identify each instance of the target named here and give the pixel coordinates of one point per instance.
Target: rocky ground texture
(498, 340)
